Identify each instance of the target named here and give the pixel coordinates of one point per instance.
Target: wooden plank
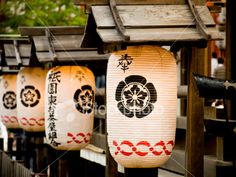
(17, 52)
(151, 16)
(99, 140)
(62, 42)
(9, 50)
(111, 165)
(13, 62)
(156, 35)
(200, 25)
(10, 37)
(117, 19)
(122, 2)
(72, 56)
(24, 49)
(195, 125)
(55, 30)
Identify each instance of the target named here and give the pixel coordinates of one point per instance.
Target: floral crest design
(135, 96)
(84, 99)
(9, 100)
(30, 96)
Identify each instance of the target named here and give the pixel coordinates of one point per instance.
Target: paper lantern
(141, 106)
(69, 109)
(8, 102)
(30, 98)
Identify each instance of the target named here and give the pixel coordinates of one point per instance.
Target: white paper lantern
(8, 101)
(30, 98)
(69, 107)
(141, 106)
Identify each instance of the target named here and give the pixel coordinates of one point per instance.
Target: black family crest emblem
(9, 100)
(124, 62)
(30, 96)
(135, 96)
(84, 99)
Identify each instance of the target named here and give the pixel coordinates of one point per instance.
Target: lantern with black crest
(69, 107)
(8, 103)
(141, 106)
(30, 98)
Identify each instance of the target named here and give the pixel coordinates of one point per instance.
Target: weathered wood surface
(62, 42)
(71, 56)
(67, 49)
(55, 30)
(156, 35)
(24, 50)
(151, 16)
(119, 2)
(13, 62)
(195, 125)
(99, 140)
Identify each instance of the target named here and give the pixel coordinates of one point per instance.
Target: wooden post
(195, 125)
(2, 144)
(74, 168)
(18, 148)
(230, 50)
(53, 162)
(10, 146)
(111, 165)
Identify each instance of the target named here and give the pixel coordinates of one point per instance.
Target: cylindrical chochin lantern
(8, 103)
(30, 98)
(141, 106)
(69, 109)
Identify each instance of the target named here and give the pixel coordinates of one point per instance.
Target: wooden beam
(17, 52)
(123, 2)
(195, 125)
(199, 23)
(117, 19)
(55, 30)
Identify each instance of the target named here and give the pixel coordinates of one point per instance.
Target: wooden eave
(148, 24)
(60, 44)
(129, 2)
(16, 51)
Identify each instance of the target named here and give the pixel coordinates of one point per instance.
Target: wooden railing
(12, 168)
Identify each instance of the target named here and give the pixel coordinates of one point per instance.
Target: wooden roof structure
(15, 52)
(119, 23)
(60, 44)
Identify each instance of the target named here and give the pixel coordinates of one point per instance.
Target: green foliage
(39, 13)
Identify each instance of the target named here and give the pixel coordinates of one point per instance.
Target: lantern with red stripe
(141, 106)
(69, 109)
(30, 98)
(8, 102)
